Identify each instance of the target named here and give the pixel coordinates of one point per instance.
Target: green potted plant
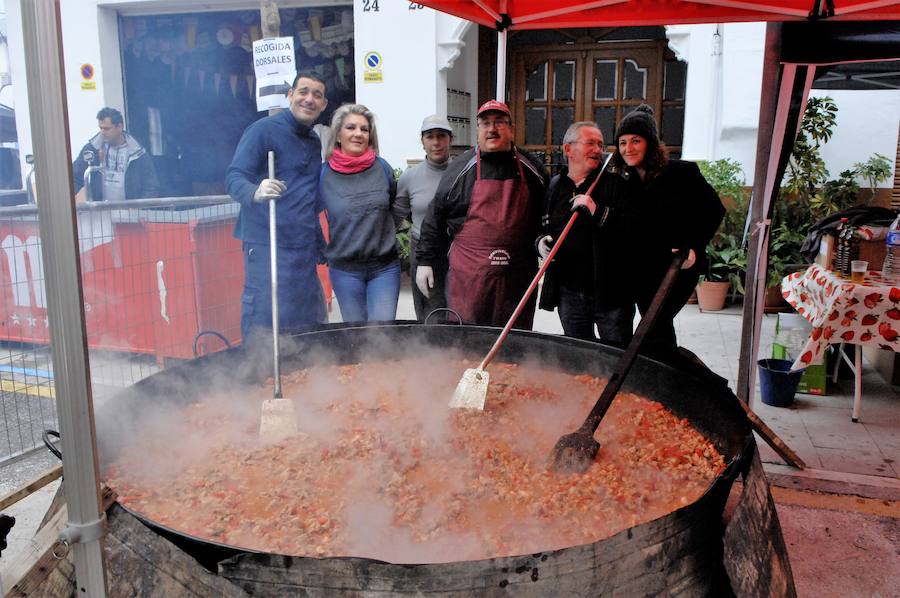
(725, 252)
(727, 266)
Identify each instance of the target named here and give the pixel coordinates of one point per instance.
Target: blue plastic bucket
(777, 384)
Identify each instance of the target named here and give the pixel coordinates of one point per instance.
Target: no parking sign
(87, 76)
(372, 63)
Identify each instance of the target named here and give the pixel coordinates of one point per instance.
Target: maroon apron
(492, 258)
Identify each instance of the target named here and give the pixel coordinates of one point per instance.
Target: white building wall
(82, 36)
(406, 41)
(723, 90)
(743, 46)
(421, 50)
(82, 23)
(867, 123)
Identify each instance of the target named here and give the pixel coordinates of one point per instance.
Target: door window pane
(605, 79)
(564, 80)
(673, 125)
(605, 117)
(536, 85)
(635, 81)
(676, 80)
(536, 126)
(562, 118)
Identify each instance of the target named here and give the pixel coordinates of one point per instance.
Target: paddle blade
(277, 419)
(471, 391)
(574, 453)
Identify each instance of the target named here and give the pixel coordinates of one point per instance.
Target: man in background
(488, 205)
(415, 190)
(120, 168)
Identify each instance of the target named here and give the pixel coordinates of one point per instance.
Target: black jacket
(583, 262)
(676, 208)
(448, 210)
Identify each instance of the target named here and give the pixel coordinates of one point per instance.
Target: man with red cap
(485, 216)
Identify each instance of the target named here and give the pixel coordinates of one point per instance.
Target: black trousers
(580, 317)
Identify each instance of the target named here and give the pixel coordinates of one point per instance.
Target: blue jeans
(579, 313)
(369, 294)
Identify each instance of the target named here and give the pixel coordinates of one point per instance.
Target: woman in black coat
(670, 206)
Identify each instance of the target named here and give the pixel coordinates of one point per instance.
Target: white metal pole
(501, 66)
(59, 248)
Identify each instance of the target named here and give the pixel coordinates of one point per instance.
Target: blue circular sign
(373, 60)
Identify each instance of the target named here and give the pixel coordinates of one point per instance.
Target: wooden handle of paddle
(634, 346)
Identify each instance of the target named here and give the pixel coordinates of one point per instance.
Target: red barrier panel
(153, 280)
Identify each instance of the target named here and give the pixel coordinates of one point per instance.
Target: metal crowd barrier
(161, 281)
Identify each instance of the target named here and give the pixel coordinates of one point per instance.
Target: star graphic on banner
(15, 320)
(32, 321)
(46, 323)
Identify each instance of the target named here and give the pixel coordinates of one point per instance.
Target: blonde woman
(357, 191)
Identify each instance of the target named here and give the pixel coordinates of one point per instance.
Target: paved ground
(843, 542)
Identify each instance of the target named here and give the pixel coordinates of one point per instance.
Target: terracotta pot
(774, 302)
(711, 295)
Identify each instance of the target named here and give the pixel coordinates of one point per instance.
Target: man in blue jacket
(298, 159)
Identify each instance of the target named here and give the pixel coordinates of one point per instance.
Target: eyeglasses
(591, 144)
(496, 124)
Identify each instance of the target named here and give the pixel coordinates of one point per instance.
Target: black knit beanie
(639, 121)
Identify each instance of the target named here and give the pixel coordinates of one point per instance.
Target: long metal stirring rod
(273, 253)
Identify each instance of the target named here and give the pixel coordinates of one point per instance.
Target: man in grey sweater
(415, 190)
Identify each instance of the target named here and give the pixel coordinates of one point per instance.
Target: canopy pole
(42, 39)
(784, 92)
(768, 105)
(501, 65)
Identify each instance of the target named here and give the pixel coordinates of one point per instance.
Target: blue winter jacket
(298, 158)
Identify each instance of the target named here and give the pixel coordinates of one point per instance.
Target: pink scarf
(344, 164)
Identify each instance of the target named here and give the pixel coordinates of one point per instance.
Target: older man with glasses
(582, 282)
(484, 218)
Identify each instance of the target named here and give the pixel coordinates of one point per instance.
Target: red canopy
(550, 14)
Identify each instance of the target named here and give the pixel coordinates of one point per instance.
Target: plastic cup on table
(858, 270)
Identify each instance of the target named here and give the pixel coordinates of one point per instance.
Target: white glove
(269, 189)
(544, 246)
(425, 279)
(586, 201)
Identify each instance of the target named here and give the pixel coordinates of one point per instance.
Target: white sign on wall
(275, 69)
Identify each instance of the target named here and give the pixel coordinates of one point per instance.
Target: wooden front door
(552, 88)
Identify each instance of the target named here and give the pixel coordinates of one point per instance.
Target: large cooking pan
(680, 553)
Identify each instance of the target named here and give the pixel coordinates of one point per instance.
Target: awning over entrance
(554, 14)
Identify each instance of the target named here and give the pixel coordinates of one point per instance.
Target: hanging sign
(275, 69)
(372, 68)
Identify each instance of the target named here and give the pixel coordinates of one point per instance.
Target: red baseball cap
(494, 106)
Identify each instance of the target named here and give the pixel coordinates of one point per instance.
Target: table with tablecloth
(842, 311)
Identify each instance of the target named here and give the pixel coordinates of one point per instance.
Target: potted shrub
(784, 258)
(727, 265)
(726, 253)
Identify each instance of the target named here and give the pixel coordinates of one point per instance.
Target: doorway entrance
(552, 86)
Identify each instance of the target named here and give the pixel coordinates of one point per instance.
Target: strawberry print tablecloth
(866, 313)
